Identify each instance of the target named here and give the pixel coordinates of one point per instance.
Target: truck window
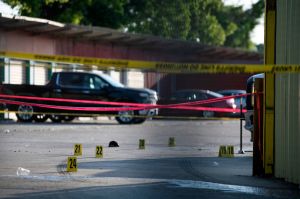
(97, 83)
(70, 80)
(81, 81)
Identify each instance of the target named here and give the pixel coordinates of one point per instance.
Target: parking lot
(190, 168)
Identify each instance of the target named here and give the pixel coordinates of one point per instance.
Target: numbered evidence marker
(226, 151)
(99, 152)
(222, 151)
(77, 149)
(72, 164)
(230, 151)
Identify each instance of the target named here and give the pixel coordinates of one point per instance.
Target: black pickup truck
(79, 86)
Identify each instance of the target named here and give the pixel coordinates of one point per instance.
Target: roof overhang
(37, 26)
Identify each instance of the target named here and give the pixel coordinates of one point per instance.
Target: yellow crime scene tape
(155, 66)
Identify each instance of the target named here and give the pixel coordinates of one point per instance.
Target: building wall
(16, 72)
(39, 73)
(169, 83)
(213, 82)
(136, 79)
(287, 93)
(22, 41)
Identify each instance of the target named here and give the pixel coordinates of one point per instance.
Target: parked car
(79, 86)
(192, 95)
(237, 100)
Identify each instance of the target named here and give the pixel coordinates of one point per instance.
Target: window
(70, 80)
(200, 96)
(73, 80)
(97, 83)
(83, 81)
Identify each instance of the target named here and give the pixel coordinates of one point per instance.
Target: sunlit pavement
(191, 169)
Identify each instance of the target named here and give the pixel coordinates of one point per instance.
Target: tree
(108, 13)
(244, 20)
(205, 26)
(177, 19)
(168, 18)
(204, 21)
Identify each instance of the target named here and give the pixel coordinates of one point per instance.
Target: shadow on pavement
(204, 177)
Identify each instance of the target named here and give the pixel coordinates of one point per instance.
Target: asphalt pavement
(191, 169)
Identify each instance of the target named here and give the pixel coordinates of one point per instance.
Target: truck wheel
(40, 117)
(139, 120)
(56, 118)
(125, 117)
(68, 118)
(25, 113)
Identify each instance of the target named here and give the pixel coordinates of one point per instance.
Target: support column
(27, 72)
(269, 88)
(2, 79)
(2, 70)
(50, 71)
(124, 77)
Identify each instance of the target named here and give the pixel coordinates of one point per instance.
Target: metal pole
(241, 127)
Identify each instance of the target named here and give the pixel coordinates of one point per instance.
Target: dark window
(84, 81)
(70, 80)
(74, 80)
(201, 96)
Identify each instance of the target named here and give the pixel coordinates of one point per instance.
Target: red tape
(184, 106)
(112, 109)
(71, 100)
(119, 103)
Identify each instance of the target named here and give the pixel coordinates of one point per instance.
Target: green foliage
(168, 18)
(107, 13)
(204, 21)
(245, 21)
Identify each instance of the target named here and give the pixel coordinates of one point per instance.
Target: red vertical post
(258, 164)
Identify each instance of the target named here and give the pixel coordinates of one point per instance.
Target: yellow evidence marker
(77, 149)
(99, 152)
(226, 151)
(222, 151)
(72, 164)
(230, 151)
